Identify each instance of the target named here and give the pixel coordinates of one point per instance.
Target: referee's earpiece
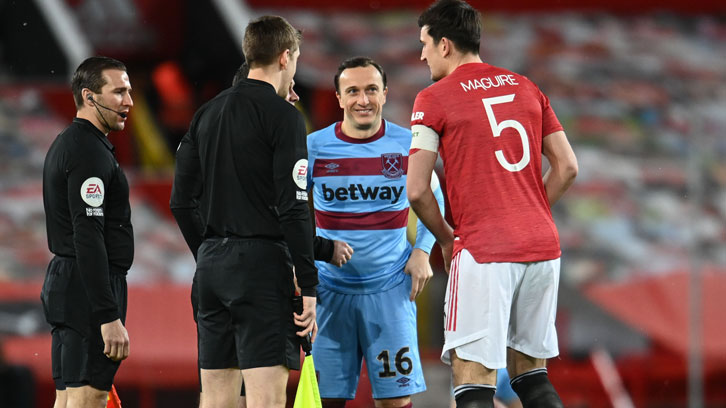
(97, 105)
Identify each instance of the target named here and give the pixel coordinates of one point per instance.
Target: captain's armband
(424, 138)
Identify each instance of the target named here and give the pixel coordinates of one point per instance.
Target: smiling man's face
(362, 96)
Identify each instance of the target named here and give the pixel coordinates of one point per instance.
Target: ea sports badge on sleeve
(300, 174)
(92, 191)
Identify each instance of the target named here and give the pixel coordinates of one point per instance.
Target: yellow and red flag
(113, 400)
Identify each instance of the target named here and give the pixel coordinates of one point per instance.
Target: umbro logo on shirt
(403, 382)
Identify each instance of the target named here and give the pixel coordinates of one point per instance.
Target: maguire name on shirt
(489, 82)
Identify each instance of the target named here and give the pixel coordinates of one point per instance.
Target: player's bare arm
(419, 268)
(418, 188)
(563, 165)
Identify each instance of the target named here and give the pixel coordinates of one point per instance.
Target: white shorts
(492, 306)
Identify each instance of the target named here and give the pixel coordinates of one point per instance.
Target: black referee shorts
(245, 305)
(77, 346)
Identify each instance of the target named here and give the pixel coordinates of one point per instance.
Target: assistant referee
(244, 164)
(88, 219)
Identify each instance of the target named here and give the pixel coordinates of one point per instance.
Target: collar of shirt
(95, 131)
(259, 83)
(342, 136)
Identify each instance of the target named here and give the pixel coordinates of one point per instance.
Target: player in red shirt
(491, 127)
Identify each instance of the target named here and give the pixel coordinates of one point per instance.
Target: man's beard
(366, 126)
(111, 123)
(363, 126)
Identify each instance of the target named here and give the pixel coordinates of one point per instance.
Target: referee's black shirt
(87, 212)
(241, 171)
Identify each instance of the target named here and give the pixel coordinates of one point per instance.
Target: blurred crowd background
(640, 88)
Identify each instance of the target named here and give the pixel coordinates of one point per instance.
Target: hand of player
(306, 320)
(115, 340)
(342, 252)
(419, 268)
(447, 251)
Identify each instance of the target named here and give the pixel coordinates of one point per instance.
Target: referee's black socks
(535, 390)
(474, 396)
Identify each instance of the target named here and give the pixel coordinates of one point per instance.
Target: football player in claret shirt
(491, 127)
(366, 308)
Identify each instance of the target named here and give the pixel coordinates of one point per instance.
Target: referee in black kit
(88, 219)
(244, 165)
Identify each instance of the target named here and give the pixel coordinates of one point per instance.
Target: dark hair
(266, 38)
(355, 62)
(241, 73)
(456, 20)
(90, 75)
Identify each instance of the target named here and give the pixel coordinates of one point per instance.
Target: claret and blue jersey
(359, 192)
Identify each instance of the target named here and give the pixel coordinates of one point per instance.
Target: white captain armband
(424, 138)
